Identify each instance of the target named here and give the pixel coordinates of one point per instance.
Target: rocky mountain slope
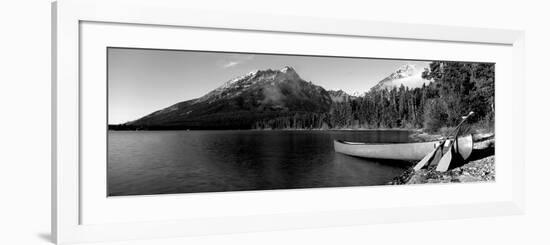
(240, 102)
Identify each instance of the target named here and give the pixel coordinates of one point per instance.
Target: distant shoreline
(417, 134)
(289, 129)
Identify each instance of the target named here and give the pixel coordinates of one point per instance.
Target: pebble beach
(479, 170)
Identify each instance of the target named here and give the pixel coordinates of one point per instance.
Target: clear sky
(141, 81)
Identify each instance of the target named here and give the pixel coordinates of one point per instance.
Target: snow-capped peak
(234, 86)
(248, 75)
(407, 75)
(404, 71)
(290, 73)
(407, 68)
(287, 69)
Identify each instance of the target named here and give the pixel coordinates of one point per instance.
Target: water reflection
(156, 162)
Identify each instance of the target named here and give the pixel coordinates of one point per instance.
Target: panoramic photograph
(182, 121)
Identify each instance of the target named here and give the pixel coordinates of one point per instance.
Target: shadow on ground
(476, 155)
(481, 153)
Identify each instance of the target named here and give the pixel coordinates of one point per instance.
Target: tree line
(456, 89)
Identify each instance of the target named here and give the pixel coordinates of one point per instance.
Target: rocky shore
(481, 167)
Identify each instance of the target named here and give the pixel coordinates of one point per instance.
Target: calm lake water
(160, 162)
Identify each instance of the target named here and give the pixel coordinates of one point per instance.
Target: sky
(141, 81)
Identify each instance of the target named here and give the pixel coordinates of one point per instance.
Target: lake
(162, 162)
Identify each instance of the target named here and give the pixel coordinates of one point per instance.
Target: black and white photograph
(193, 121)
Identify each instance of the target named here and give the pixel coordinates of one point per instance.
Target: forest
(456, 89)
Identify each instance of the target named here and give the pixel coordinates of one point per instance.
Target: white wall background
(25, 122)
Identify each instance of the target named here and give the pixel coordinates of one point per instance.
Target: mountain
(241, 102)
(407, 75)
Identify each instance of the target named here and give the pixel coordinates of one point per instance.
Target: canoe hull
(464, 146)
(399, 151)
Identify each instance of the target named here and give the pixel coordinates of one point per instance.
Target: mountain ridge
(240, 102)
(258, 96)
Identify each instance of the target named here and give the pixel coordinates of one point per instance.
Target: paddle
(428, 157)
(438, 147)
(457, 129)
(445, 161)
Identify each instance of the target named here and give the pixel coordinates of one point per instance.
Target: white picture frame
(67, 192)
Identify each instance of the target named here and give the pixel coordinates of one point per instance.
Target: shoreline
(479, 169)
(415, 130)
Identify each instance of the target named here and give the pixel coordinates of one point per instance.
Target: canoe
(399, 151)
